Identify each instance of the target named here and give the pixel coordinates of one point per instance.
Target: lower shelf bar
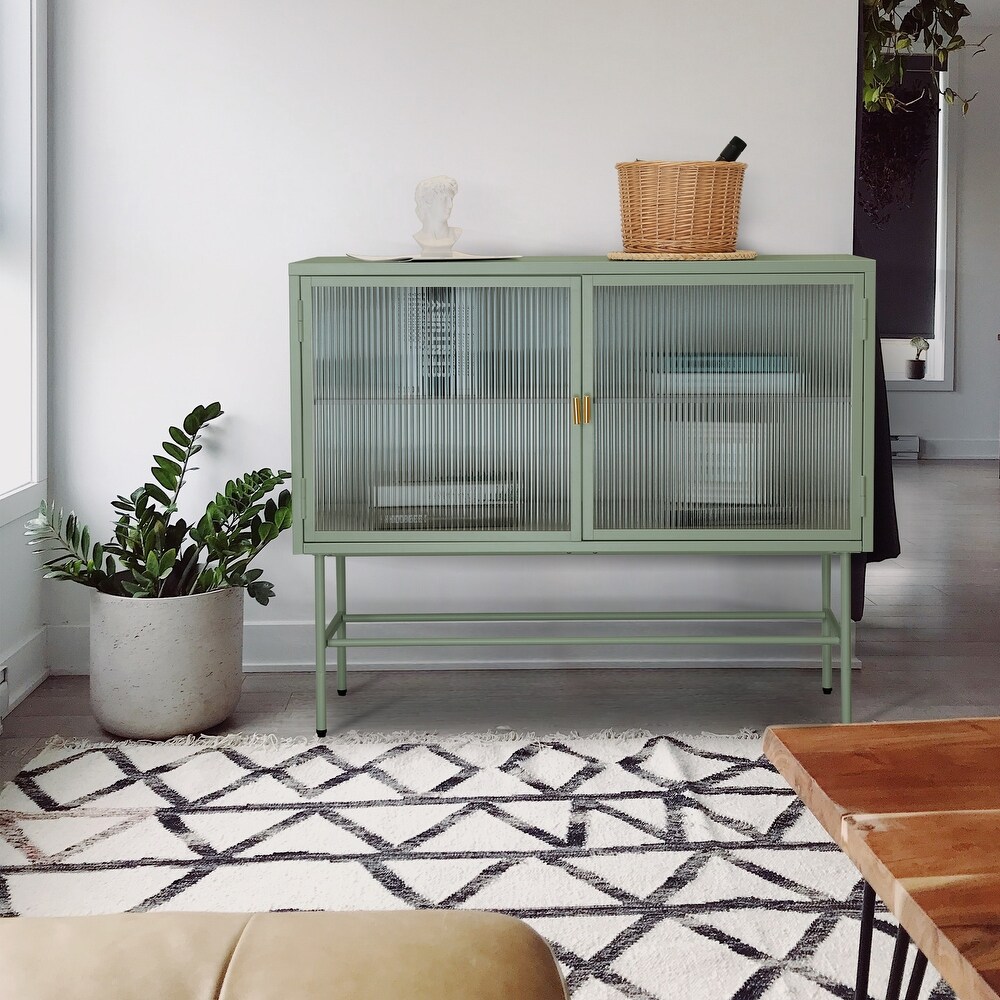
(592, 640)
(581, 616)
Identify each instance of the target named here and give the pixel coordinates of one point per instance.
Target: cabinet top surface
(764, 264)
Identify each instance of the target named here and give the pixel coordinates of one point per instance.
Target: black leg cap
(342, 693)
(827, 690)
(321, 732)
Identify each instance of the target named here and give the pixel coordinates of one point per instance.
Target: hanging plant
(895, 28)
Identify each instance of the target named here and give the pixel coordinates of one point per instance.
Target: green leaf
(212, 411)
(194, 420)
(165, 478)
(261, 591)
(167, 562)
(157, 494)
(85, 542)
(180, 437)
(174, 451)
(153, 564)
(168, 464)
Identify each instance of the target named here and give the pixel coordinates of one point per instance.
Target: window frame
(940, 375)
(21, 501)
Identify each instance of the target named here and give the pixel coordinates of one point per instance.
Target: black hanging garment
(885, 530)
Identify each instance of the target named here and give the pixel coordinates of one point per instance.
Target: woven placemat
(732, 255)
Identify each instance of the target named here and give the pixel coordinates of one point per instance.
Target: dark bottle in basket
(732, 151)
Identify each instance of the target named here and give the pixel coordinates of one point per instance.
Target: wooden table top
(916, 806)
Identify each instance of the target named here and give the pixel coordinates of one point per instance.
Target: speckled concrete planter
(165, 667)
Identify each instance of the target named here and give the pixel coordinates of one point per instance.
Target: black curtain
(885, 530)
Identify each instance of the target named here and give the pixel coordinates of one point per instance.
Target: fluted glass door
(443, 409)
(722, 408)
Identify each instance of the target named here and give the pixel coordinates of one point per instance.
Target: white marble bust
(434, 197)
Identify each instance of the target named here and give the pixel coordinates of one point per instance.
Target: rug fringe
(270, 741)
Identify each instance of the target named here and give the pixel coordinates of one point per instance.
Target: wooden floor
(929, 645)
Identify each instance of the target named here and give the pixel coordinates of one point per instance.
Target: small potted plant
(166, 611)
(917, 367)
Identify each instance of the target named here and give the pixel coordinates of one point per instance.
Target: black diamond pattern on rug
(657, 866)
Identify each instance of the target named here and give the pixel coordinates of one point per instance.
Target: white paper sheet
(380, 259)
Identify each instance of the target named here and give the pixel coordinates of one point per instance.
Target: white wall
(198, 147)
(966, 423)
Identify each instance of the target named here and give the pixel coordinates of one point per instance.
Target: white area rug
(657, 866)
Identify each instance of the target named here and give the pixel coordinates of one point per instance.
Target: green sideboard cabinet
(575, 404)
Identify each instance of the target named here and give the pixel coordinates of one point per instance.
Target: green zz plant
(154, 553)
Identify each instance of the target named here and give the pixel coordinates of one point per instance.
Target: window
(22, 255)
(902, 219)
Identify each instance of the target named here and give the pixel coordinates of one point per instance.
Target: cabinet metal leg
(342, 631)
(320, 615)
(827, 611)
(845, 637)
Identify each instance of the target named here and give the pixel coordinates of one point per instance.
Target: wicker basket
(686, 207)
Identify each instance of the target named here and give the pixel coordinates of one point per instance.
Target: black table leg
(865, 944)
(917, 975)
(898, 964)
(898, 957)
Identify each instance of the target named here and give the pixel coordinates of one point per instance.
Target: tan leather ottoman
(392, 955)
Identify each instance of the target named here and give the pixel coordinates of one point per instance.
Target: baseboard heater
(905, 446)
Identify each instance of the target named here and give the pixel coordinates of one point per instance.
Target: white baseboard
(288, 646)
(26, 666)
(988, 448)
